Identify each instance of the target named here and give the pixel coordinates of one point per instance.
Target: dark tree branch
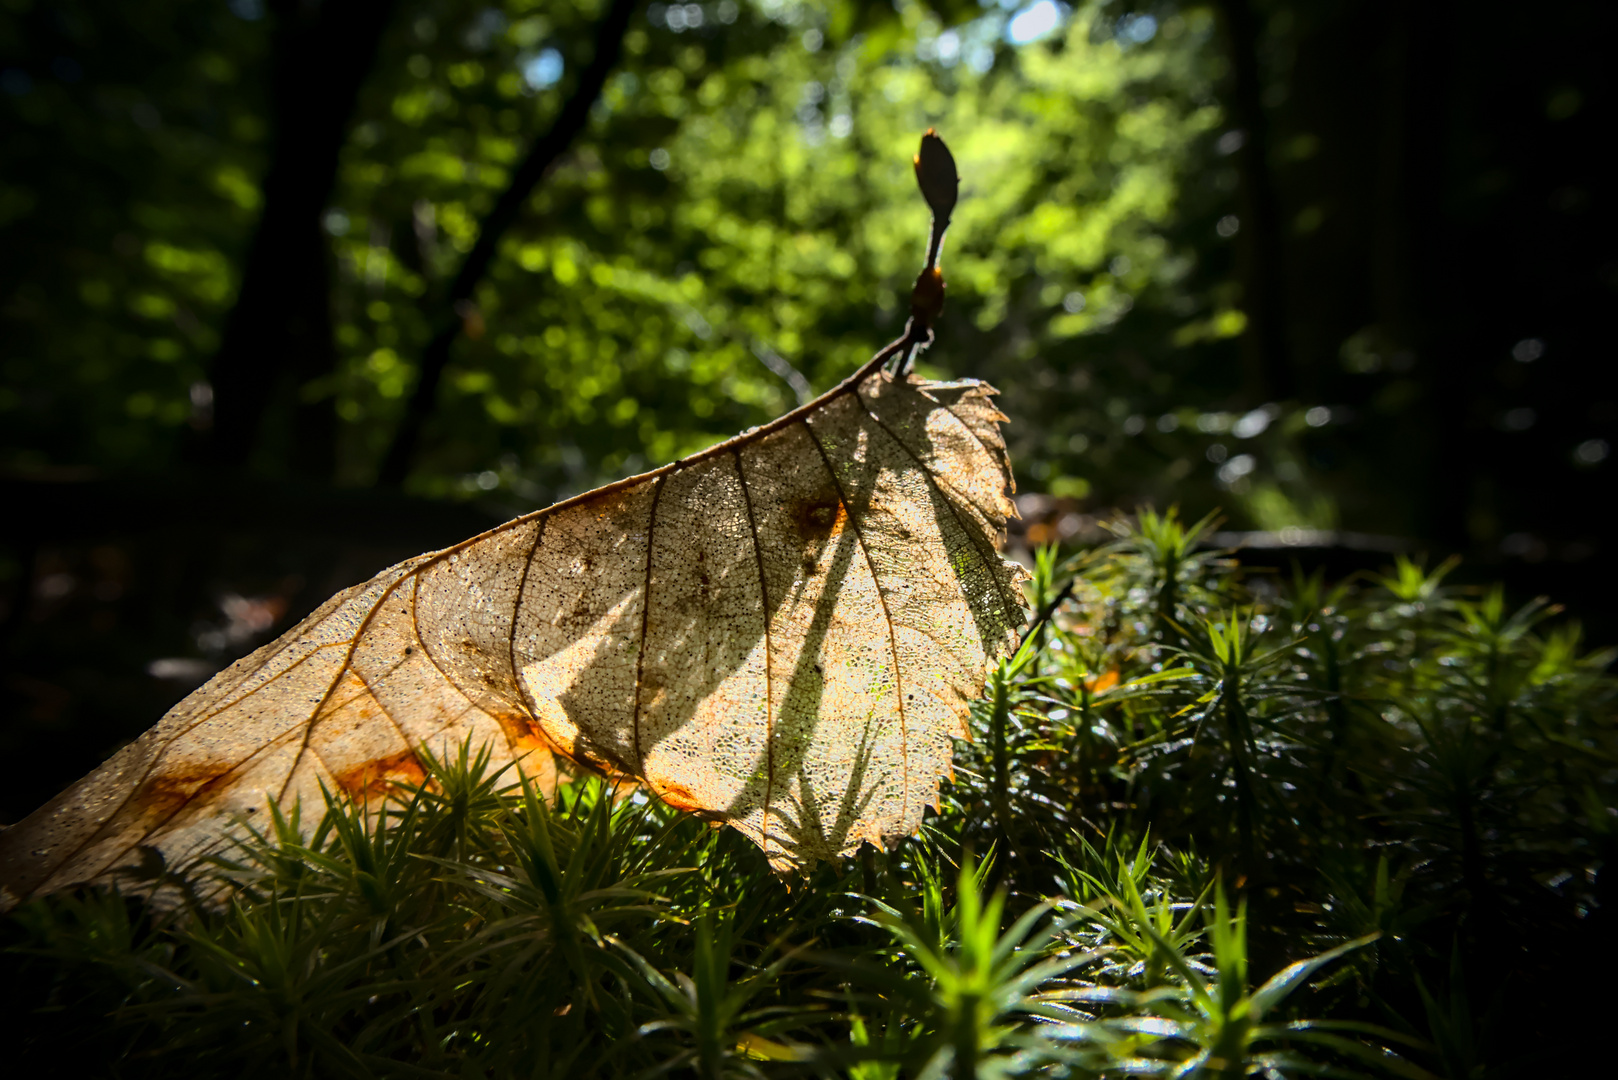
(542, 156)
(281, 321)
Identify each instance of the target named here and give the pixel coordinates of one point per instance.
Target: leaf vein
(944, 489)
(769, 660)
(645, 618)
(887, 617)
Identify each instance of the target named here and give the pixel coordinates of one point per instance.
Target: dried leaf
(781, 633)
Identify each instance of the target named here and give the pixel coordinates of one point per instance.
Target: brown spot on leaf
(819, 518)
(524, 734)
(588, 757)
(379, 777)
(173, 789)
(683, 798)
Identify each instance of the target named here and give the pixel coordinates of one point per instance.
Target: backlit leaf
(781, 634)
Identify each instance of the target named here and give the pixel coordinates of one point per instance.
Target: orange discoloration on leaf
(819, 518)
(378, 778)
(176, 789)
(525, 735)
(680, 797)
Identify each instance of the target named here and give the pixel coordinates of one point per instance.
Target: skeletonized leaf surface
(781, 634)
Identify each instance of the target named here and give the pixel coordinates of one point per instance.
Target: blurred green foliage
(743, 190)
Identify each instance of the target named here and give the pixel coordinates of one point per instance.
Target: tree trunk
(281, 326)
(1266, 359)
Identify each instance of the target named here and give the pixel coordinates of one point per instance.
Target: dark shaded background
(213, 414)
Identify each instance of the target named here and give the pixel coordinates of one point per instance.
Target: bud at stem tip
(935, 173)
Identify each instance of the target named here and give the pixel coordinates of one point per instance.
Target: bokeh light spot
(1034, 22)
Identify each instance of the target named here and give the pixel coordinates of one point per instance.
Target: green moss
(1190, 781)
